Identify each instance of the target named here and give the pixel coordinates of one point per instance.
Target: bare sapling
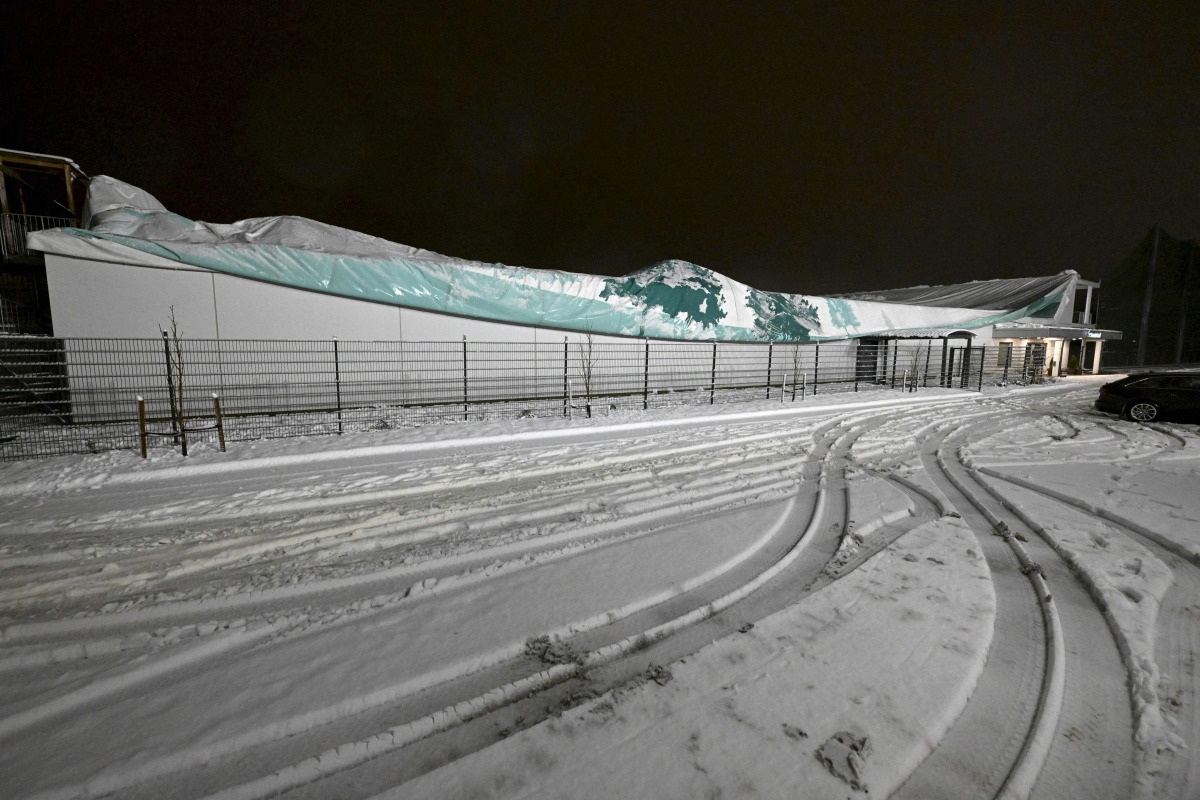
(795, 368)
(586, 358)
(915, 369)
(175, 351)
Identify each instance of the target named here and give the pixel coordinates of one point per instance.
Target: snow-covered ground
(918, 595)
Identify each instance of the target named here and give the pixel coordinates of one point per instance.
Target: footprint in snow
(844, 754)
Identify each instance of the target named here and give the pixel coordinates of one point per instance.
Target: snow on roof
(45, 156)
(932, 333)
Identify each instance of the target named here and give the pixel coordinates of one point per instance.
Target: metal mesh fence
(80, 395)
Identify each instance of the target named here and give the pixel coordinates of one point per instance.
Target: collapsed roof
(1001, 293)
(669, 300)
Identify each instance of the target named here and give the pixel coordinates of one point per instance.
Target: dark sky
(807, 148)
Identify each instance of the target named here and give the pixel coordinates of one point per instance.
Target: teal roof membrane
(669, 300)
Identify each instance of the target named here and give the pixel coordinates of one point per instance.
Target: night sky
(809, 148)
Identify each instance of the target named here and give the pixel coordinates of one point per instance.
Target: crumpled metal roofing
(993, 294)
(670, 300)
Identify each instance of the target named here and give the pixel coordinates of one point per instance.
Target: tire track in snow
(805, 559)
(1086, 747)
(1089, 754)
(1176, 650)
(58, 710)
(860, 544)
(779, 593)
(645, 517)
(1027, 780)
(240, 634)
(1168, 771)
(532, 498)
(1075, 420)
(232, 747)
(691, 613)
(829, 457)
(986, 752)
(271, 501)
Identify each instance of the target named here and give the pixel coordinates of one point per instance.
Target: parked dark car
(1153, 395)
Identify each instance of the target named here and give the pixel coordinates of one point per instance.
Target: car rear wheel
(1142, 411)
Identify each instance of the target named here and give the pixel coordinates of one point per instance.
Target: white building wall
(426, 326)
(94, 299)
(245, 309)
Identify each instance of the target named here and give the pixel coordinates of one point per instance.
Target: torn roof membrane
(670, 300)
(1001, 293)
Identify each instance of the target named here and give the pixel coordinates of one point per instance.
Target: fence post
(566, 389)
(816, 370)
(895, 353)
(220, 421)
(712, 386)
(770, 354)
(925, 377)
(982, 359)
(171, 389)
(943, 380)
(783, 388)
(465, 417)
(646, 380)
(142, 424)
(337, 383)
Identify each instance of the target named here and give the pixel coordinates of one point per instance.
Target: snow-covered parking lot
(937, 594)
